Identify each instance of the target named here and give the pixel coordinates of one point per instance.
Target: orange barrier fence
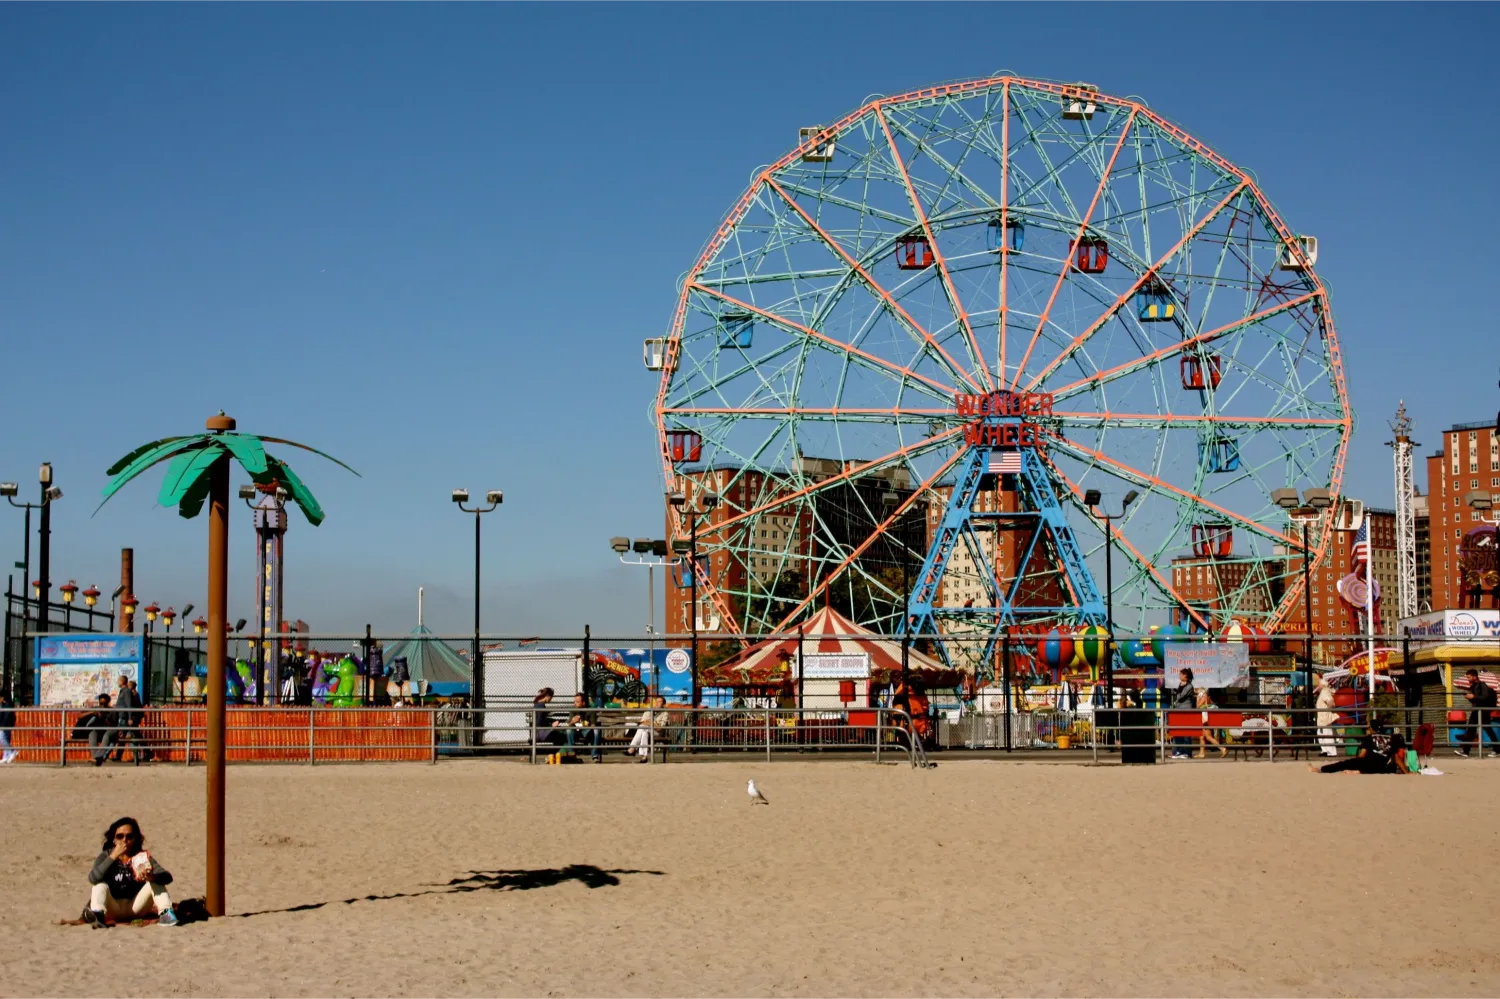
(252, 735)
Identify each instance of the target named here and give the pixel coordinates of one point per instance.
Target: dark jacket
(1185, 697)
(1481, 695)
(120, 878)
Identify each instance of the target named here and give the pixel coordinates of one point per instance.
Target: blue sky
(430, 239)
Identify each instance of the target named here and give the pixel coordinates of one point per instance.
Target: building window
(1455, 481)
(1473, 483)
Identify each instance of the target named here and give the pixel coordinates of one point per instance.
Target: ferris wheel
(924, 339)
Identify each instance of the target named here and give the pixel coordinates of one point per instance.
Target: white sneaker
(1489, 756)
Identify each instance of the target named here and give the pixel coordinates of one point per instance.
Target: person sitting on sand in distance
(1372, 757)
(126, 881)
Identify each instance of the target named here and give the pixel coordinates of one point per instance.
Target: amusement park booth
(834, 664)
(1442, 647)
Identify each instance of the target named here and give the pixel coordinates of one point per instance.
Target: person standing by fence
(7, 722)
(1326, 719)
(1481, 697)
(1185, 699)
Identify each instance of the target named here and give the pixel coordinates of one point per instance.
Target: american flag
(1360, 552)
(1005, 463)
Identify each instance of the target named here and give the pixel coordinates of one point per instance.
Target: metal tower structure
(270, 534)
(1406, 522)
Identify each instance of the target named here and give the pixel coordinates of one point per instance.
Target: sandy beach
(976, 878)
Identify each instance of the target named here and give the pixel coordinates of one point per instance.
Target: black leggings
(1370, 764)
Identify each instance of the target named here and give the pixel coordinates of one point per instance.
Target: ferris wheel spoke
(953, 171)
(878, 532)
(976, 355)
(1143, 564)
(873, 361)
(854, 471)
(828, 197)
(1135, 287)
(1153, 421)
(875, 414)
(915, 328)
(1137, 477)
(1048, 174)
(1062, 274)
(1155, 357)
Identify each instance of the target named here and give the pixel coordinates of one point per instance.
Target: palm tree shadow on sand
(520, 880)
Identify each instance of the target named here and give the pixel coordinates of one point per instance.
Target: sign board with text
(73, 670)
(835, 666)
(1214, 664)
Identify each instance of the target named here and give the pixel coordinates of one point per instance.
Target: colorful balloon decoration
(1161, 634)
(1239, 631)
(1091, 645)
(1057, 650)
(1138, 652)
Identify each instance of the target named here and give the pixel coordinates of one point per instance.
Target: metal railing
(1270, 733)
(674, 734)
(178, 734)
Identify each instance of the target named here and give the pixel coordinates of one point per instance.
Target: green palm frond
(141, 459)
(247, 450)
(280, 472)
(320, 454)
(138, 452)
(185, 471)
(191, 503)
(189, 477)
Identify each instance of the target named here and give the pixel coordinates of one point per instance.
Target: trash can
(1136, 728)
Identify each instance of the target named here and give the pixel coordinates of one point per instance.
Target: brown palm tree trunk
(218, 586)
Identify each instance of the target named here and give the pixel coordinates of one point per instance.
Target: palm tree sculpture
(200, 471)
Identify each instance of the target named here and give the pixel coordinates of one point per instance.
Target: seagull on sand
(756, 798)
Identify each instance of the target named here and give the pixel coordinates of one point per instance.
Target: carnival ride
(921, 338)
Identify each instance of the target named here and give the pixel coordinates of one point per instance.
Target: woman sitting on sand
(1372, 758)
(127, 881)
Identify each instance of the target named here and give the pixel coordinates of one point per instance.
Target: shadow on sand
(522, 880)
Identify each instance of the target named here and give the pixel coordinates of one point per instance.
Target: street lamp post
(152, 612)
(69, 590)
(49, 493)
(643, 547)
(476, 685)
(704, 508)
(90, 598)
(1091, 498)
(1304, 513)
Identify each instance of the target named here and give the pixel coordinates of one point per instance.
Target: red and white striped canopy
(772, 660)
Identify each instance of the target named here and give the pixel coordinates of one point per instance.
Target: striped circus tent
(772, 661)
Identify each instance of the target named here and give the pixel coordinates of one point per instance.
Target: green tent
(428, 659)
